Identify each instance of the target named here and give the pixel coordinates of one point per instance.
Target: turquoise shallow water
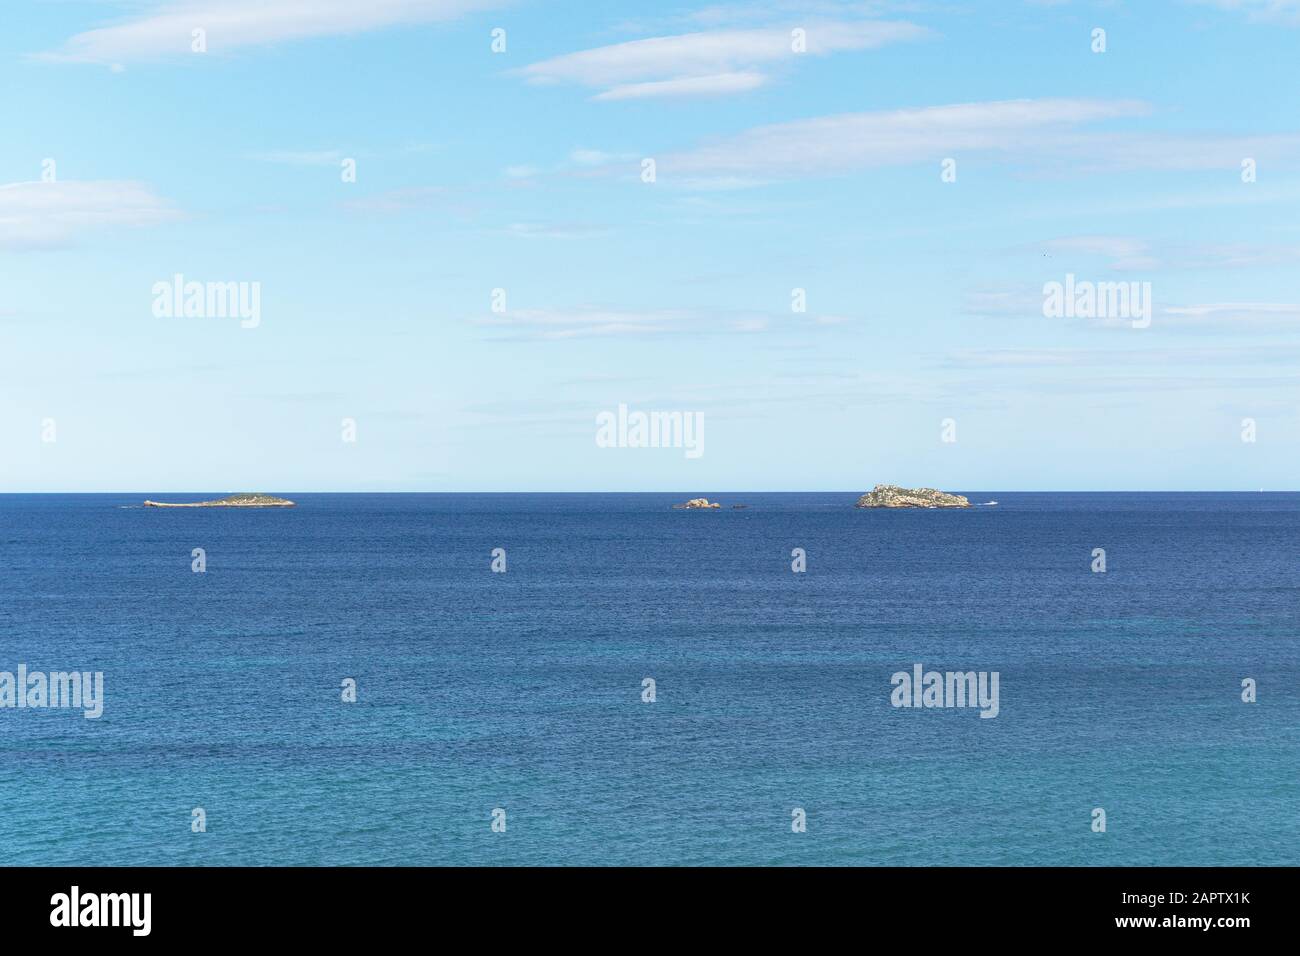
(523, 690)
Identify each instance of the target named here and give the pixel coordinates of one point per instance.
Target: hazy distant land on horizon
(522, 690)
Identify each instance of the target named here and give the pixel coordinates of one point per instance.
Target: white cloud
(717, 84)
(1022, 301)
(1127, 254)
(1176, 151)
(286, 157)
(579, 162)
(1235, 316)
(405, 200)
(535, 230)
(1261, 11)
(589, 321)
(590, 157)
(232, 24)
(1271, 308)
(708, 63)
(1026, 302)
(1085, 357)
(1047, 133)
(38, 214)
(585, 322)
(1240, 256)
(836, 144)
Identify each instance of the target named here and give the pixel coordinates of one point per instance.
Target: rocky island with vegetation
(699, 503)
(892, 496)
(230, 501)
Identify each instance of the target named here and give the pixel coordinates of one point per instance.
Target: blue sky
(775, 170)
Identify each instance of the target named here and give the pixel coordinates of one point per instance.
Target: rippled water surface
(522, 690)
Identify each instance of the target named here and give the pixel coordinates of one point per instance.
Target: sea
(350, 682)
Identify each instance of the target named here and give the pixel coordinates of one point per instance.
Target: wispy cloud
(331, 157)
(166, 29)
(584, 322)
(1261, 11)
(711, 62)
(571, 230)
(1123, 252)
(287, 157)
(716, 84)
(1263, 316)
(1186, 152)
(849, 141)
(1026, 302)
(1128, 254)
(412, 199)
(591, 321)
(1106, 358)
(580, 162)
(1051, 135)
(1022, 301)
(591, 157)
(39, 215)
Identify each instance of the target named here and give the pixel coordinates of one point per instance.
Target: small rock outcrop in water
(699, 503)
(892, 496)
(230, 501)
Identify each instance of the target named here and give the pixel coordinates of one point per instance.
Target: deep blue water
(523, 690)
